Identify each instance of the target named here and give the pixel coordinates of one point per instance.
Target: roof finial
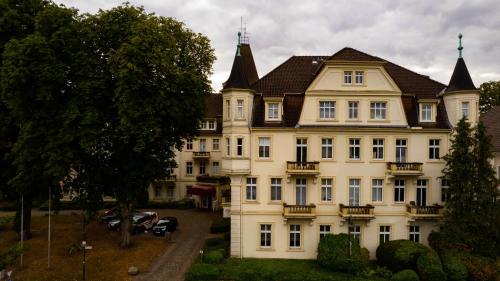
(460, 48)
(238, 53)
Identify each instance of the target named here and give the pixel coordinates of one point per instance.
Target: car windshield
(163, 223)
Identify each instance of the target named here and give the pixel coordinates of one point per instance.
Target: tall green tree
(141, 89)
(489, 95)
(472, 210)
(35, 82)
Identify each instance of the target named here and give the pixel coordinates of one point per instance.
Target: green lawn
(268, 269)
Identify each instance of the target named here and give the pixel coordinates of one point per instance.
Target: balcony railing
(405, 168)
(424, 212)
(302, 168)
(299, 211)
(201, 155)
(357, 212)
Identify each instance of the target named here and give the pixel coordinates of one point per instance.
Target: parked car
(166, 224)
(109, 215)
(140, 222)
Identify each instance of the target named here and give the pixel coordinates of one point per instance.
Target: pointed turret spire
(243, 72)
(460, 79)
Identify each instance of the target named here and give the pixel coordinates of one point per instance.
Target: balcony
(299, 211)
(302, 168)
(432, 212)
(201, 155)
(357, 212)
(404, 169)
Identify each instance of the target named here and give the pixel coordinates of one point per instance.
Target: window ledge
(354, 161)
(252, 202)
(379, 120)
(328, 160)
(295, 250)
(263, 160)
(327, 120)
(275, 202)
(377, 161)
(265, 249)
(353, 120)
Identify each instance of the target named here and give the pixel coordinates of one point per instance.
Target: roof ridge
(424, 76)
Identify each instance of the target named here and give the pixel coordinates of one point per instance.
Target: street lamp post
(84, 244)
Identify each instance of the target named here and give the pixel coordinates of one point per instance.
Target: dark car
(166, 224)
(140, 222)
(109, 215)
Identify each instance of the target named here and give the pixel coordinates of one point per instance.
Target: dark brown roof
(243, 72)
(292, 76)
(249, 63)
(460, 80)
(350, 54)
(213, 110)
(491, 120)
(292, 106)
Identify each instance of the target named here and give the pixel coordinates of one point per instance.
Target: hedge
(405, 275)
(481, 268)
(214, 256)
(429, 267)
(454, 268)
(220, 225)
(202, 271)
(399, 254)
(333, 253)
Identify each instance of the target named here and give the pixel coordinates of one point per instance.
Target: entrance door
(421, 192)
(301, 191)
(301, 150)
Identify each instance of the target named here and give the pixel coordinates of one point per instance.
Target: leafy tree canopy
(489, 95)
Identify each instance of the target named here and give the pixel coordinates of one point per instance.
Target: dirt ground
(106, 261)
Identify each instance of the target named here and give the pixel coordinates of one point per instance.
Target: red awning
(202, 190)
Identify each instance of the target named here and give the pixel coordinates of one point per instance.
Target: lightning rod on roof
(243, 30)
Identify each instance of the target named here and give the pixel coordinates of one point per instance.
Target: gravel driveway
(194, 229)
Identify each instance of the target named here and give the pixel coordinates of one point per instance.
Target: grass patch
(268, 269)
(106, 261)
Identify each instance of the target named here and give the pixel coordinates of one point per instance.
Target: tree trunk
(28, 204)
(126, 224)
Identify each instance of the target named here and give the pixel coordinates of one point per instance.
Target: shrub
(481, 268)
(383, 272)
(8, 258)
(399, 254)
(214, 257)
(454, 268)
(429, 267)
(405, 275)
(201, 271)
(227, 236)
(333, 253)
(441, 241)
(221, 225)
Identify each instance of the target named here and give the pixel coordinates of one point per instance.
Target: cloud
(419, 35)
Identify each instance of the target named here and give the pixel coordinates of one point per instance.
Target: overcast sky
(419, 35)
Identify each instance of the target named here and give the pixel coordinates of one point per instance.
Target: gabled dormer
(461, 96)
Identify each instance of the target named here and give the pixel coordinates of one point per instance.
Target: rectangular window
(377, 190)
(273, 111)
(211, 124)
(355, 231)
(401, 149)
(265, 235)
(215, 144)
(445, 190)
(275, 189)
(378, 110)
(301, 146)
(354, 186)
(189, 168)
(347, 77)
(421, 192)
(189, 144)
(354, 149)
(264, 147)
(399, 191)
(434, 149)
(465, 109)
(426, 113)
(239, 147)
(385, 233)
(157, 192)
(378, 149)
(203, 145)
(326, 190)
(251, 189)
(360, 77)
(203, 167)
(414, 233)
(326, 109)
(295, 235)
(215, 168)
(228, 109)
(239, 109)
(228, 147)
(327, 148)
(353, 110)
(324, 229)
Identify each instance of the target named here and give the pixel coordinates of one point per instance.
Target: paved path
(194, 229)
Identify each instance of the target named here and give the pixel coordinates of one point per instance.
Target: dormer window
(208, 125)
(273, 109)
(347, 77)
(360, 77)
(426, 112)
